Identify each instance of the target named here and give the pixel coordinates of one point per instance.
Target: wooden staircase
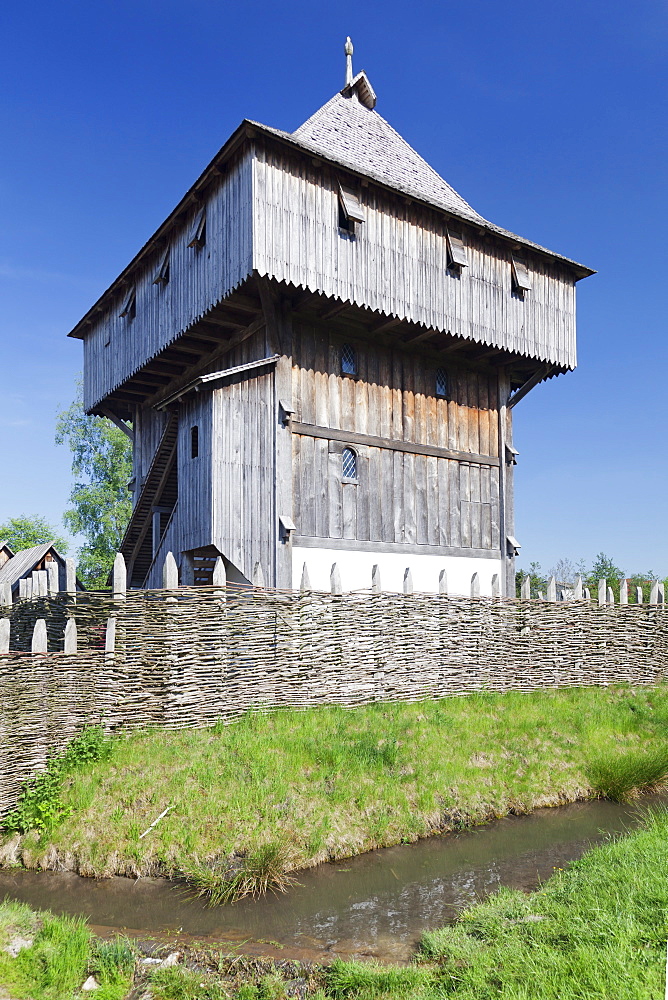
(160, 489)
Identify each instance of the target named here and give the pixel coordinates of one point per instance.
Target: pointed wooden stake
(551, 589)
(39, 637)
(258, 576)
(624, 592)
(602, 591)
(170, 573)
(219, 576)
(375, 579)
(525, 589)
(5, 630)
(71, 577)
(475, 585)
(70, 636)
(443, 582)
(305, 585)
(610, 597)
(654, 592)
(120, 578)
(496, 586)
(577, 589)
(408, 581)
(6, 594)
(52, 577)
(638, 595)
(110, 637)
(335, 580)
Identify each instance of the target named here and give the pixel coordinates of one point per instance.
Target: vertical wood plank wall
(397, 263)
(195, 482)
(117, 347)
(149, 425)
(242, 465)
(401, 498)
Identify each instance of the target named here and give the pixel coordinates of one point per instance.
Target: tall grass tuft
(622, 775)
(265, 870)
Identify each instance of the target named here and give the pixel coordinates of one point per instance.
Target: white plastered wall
(355, 568)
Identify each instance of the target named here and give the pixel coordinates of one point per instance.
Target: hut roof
(5, 545)
(23, 563)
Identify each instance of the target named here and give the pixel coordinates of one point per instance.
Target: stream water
(375, 905)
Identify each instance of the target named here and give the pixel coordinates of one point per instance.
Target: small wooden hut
(317, 355)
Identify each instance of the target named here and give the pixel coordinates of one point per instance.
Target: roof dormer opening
(162, 274)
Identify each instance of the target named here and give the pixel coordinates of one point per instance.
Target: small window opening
(194, 441)
(197, 237)
(348, 360)
(521, 277)
(456, 250)
(441, 382)
(129, 307)
(349, 463)
(162, 274)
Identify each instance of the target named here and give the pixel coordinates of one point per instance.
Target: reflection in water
(374, 905)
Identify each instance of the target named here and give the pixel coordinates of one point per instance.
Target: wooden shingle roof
(348, 132)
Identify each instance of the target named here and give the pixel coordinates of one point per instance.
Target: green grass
(329, 783)
(59, 955)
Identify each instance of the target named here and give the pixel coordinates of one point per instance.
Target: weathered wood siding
(242, 465)
(117, 347)
(195, 483)
(397, 263)
(401, 497)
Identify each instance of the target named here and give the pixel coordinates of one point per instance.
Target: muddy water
(375, 905)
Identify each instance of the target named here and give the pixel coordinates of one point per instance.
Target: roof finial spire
(348, 49)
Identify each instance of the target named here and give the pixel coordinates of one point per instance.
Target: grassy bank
(291, 789)
(595, 931)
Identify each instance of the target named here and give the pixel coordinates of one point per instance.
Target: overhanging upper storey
(343, 208)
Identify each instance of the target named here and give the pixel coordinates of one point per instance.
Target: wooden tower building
(317, 355)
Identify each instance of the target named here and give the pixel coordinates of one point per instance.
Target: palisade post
(475, 585)
(258, 576)
(443, 582)
(40, 583)
(541, 595)
(110, 639)
(654, 592)
(624, 592)
(52, 574)
(219, 577)
(305, 582)
(496, 586)
(525, 589)
(170, 573)
(70, 577)
(23, 589)
(577, 589)
(70, 645)
(6, 594)
(552, 589)
(408, 581)
(120, 578)
(639, 595)
(335, 580)
(602, 591)
(5, 632)
(610, 596)
(375, 579)
(39, 643)
(662, 592)
(586, 593)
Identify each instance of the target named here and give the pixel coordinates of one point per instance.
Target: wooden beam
(385, 324)
(537, 377)
(331, 311)
(128, 431)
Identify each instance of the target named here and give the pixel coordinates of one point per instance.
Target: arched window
(441, 382)
(348, 360)
(349, 463)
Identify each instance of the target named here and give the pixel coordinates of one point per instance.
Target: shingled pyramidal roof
(348, 131)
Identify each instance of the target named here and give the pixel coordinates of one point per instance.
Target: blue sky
(548, 118)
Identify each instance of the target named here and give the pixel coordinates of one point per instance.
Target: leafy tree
(604, 569)
(23, 532)
(101, 504)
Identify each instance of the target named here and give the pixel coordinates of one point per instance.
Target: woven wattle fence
(188, 657)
